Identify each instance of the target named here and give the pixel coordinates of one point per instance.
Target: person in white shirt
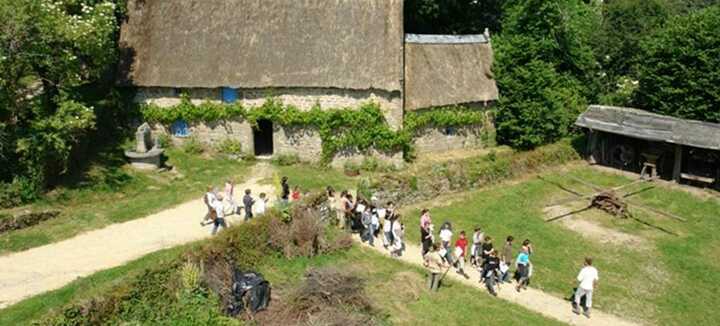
(445, 238)
(587, 279)
(261, 205)
(398, 233)
(219, 220)
(209, 201)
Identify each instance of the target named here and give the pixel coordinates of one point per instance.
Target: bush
(20, 191)
(192, 145)
(229, 147)
(286, 159)
(680, 73)
(351, 168)
(469, 173)
(164, 140)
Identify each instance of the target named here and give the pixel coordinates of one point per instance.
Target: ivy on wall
(450, 116)
(339, 129)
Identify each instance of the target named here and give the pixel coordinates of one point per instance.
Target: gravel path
(28, 273)
(532, 299)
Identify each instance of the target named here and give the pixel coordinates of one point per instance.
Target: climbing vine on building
(362, 129)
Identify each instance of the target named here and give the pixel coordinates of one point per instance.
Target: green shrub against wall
(362, 129)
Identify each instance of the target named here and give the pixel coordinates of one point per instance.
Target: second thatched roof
(445, 70)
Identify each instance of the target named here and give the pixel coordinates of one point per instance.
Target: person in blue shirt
(523, 268)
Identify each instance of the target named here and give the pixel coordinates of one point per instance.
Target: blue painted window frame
(229, 95)
(180, 128)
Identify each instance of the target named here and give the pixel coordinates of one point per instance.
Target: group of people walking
(493, 266)
(222, 204)
(371, 219)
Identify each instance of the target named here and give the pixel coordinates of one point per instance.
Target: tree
(49, 50)
(545, 67)
(452, 16)
(680, 73)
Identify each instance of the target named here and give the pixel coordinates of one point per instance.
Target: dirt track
(31, 272)
(532, 299)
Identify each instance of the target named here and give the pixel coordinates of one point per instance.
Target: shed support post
(592, 146)
(677, 168)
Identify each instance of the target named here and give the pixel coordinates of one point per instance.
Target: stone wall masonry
(303, 142)
(356, 157)
(434, 139)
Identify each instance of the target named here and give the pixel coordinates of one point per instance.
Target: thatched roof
(264, 43)
(444, 70)
(650, 126)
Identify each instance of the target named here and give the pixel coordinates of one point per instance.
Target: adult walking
(425, 231)
(219, 220)
(523, 269)
(587, 282)
(436, 267)
(285, 195)
(209, 201)
(248, 202)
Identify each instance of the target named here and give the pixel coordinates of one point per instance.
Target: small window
(229, 95)
(450, 131)
(180, 128)
(177, 91)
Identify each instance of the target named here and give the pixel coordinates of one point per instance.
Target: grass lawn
(662, 279)
(398, 290)
(124, 195)
(23, 312)
(314, 178)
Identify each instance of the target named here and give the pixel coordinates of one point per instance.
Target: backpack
(366, 219)
(249, 291)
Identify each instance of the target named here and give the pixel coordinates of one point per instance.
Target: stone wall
(434, 139)
(438, 139)
(304, 142)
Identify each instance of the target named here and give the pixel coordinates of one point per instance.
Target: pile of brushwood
(24, 219)
(327, 296)
(467, 174)
(196, 287)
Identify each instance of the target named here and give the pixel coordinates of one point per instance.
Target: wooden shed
(653, 144)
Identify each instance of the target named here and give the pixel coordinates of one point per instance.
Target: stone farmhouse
(335, 53)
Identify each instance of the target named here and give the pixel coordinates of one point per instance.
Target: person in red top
(460, 253)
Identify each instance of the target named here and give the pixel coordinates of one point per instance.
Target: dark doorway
(263, 138)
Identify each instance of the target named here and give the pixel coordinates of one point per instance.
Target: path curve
(37, 270)
(532, 299)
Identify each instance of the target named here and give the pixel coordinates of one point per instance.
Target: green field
(660, 278)
(123, 195)
(396, 288)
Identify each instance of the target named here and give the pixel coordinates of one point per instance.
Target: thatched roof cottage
(336, 53)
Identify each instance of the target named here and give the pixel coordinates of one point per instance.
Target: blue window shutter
(229, 95)
(180, 128)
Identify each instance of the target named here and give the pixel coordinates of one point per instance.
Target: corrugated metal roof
(445, 39)
(650, 126)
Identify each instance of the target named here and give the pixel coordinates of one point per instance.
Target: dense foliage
(50, 53)
(545, 69)
(452, 16)
(680, 73)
